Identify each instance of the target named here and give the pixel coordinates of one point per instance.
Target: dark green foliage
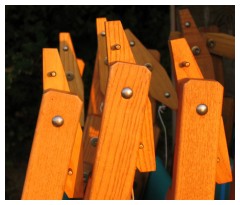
(31, 28)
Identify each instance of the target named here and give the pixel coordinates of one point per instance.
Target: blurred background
(29, 29)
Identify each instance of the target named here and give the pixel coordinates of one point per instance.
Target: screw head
(127, 93)
(52, 74)
(196, 50)
(94, 141)
(218, 160)
(116, 47)
(211, 43)
(187, 24)
(57, 121)
(103, 33)
(141, 146)
(202, 109)
(132, 43)
(65, 48)
(69, 75)
(149, 66)
(184, 64)
(70, 171)
(167, 95)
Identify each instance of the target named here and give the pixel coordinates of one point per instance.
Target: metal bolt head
(202, 109)
(167, 95)
(57, 121)
(52, 74)
(65, 48)
(127, 93)
(116, 47)
(187, 24)
(141, 146)
(69, 75)
(132, 43)
(94, 141)
(210, 43)
(70, 171)
(149, 66)
(196, 50)
(103, 33)
(184, 64)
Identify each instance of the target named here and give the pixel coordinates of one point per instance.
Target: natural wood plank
(224, 44)
(81, 66)
(175, 35)
(102, 51)
(146, 154)
(160, 81)
(70, 65)
(52, 147)
(88, 188)
(74, 183)
(155, 53)
(119, 138)
(116, 36)
(194, 38)
(194, 169)
(223, 171)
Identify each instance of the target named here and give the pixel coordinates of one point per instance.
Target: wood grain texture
(96, 97)
(69, 62)
(146, 161)
(88, 188)
(155, 53)
(194, 38)
(102, 54)
(81, 66)
(52, 147)
(223, 171)
(160, 81)
(116, 36)
(120, 133)
(194, 169)
(51, 59)
(224, 44)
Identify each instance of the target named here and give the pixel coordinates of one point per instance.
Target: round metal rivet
(65, 48)
(69, 75)
(52, 74)
(149, 66)
(127, 93)
(57, 121)
(167, 94)
(70, 171)
(116, 47)
(210, 43)
(103, 33)
(187, 24)
(218, 160)
(94, 141)
(184, 64)
(202, 109)
(141, 146)
(196, 50)
(132, 43)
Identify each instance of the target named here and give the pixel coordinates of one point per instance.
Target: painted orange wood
(96, 101)
(160, 82)
(146, 161)
(51, 59)
(194, 38)
(53, 74)
(70, 66)
(120, 132)
(224, 44)
(102, 51)
(194, 169)
(181, 53)
(81, 66)
(52, 146)
(118, 48)
(223, 171)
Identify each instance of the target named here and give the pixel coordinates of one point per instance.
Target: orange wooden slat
(194, 38)
(52, 146)
(120, 132)
(160, 82)
(81, 66)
